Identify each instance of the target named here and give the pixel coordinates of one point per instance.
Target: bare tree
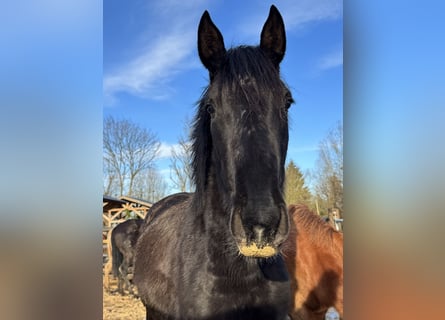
(128, 151)
(110, 185)
(150, 185)
(181, 163)
(328, 174)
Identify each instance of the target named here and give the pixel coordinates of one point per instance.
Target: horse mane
(246, 72)
(310, 225)
(245, 63)
(201, 141)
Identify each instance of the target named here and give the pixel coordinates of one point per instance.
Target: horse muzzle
(258, 239)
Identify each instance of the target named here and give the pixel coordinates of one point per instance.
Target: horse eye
(289, 102)
(210, 109)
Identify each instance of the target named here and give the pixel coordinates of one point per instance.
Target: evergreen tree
(295, 189)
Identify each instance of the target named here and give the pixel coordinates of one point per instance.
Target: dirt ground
(117, 307)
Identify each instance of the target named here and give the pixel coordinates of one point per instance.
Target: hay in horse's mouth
(252, 250)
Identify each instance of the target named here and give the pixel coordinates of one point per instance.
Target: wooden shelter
(115, 211)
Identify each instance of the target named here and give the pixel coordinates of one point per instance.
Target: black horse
(123, 243)
(166, 203)
(215, 254)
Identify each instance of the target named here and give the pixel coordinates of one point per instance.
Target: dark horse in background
(123, 243)
(314, 257)
(216, 253)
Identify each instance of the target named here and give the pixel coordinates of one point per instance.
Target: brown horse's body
(314, 257)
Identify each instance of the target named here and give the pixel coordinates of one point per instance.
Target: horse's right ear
(210, 44)
(273, 36)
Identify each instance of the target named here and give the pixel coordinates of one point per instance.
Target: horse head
(244, 119)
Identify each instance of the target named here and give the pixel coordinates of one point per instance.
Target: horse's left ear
(210, 44)
(273, 36)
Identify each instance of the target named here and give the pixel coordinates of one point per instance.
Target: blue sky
(51, 114)
(153, 76)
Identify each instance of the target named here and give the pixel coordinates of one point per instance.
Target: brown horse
(314, 258)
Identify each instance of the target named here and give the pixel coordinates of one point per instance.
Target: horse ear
(273, 36)
(210, 44)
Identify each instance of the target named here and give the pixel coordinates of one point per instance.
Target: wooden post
(316, 205)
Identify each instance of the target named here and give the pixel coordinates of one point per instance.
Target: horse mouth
(256, 239)
(254, 251)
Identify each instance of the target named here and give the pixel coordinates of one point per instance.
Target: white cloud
(165, 150)
(296, 14)
(331, 60)
(147, 73)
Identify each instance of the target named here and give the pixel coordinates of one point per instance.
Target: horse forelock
(249, 74)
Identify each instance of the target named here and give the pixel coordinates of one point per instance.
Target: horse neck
(215, 217)
(209, 202)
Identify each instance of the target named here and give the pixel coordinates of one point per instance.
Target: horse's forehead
(246, 81)
(247, 89)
